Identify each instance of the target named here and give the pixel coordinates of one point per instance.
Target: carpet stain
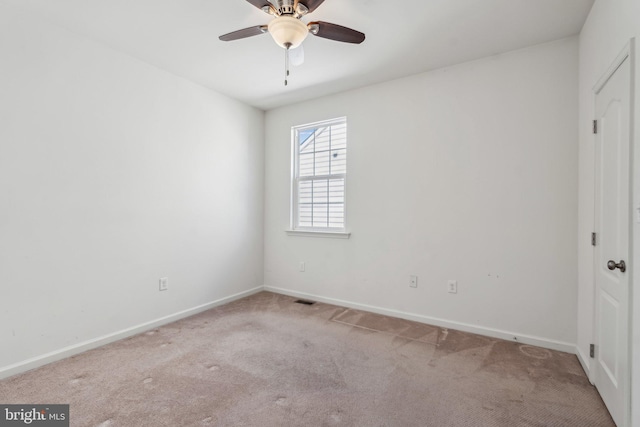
(535, 352)
(213, 368)
(147, 380)
(281, 401)
(388, 325)
(335, 419)
(107, 423)
(77, 380)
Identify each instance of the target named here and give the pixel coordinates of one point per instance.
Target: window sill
(326, 234)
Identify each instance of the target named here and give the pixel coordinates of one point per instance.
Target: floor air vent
(305, 302)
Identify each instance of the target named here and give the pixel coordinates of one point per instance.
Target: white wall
(113, 174)
(466, 173)
(610, 26)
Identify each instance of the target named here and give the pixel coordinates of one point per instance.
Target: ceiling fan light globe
(288, 31)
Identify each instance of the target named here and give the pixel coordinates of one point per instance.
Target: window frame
(295, 229)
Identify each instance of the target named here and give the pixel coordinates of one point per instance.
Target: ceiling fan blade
(311, 4)
(335, 32)
(244, 33)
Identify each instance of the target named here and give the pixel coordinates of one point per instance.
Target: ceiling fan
(287, 28)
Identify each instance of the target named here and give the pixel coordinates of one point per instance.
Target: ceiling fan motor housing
(284, 7)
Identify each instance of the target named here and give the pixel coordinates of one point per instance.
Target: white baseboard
(72, 350)
(480, 330)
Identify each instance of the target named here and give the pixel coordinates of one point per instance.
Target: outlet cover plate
(413, 281)
(452, 286)
(164, 283)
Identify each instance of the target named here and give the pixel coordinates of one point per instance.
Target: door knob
(611, 265)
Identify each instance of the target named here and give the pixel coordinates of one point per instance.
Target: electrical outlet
(413, 281)
(452, 286)
(164, 283)
(302, 267)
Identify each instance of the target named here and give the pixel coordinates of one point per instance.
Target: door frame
(627, 53)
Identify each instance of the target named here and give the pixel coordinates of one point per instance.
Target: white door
(612, 216)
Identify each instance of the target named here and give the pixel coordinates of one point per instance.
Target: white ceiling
(403, 38)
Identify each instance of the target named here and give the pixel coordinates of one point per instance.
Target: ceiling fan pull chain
(286, 63)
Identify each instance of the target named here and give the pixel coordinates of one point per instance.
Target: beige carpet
(267, 361)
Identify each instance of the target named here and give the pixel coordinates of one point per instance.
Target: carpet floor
(267, 361)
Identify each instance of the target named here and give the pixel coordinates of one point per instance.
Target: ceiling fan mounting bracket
(301, 10)
(269, 10)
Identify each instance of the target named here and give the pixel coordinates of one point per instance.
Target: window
(319, 174)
